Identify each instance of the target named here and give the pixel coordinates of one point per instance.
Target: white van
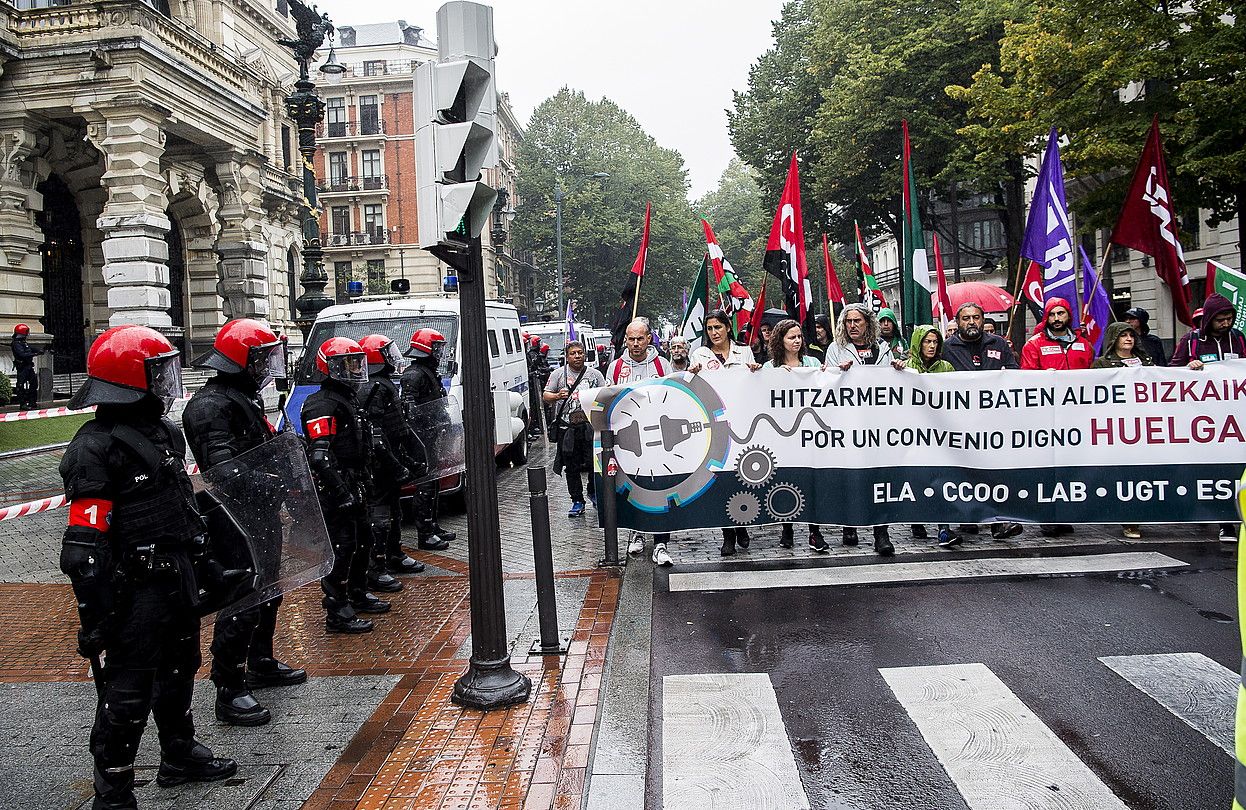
(398, 317)
(555, 334)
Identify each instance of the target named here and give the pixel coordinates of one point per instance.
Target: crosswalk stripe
(997, 753)
(920, 571)
(1196, 689)
(724, 745)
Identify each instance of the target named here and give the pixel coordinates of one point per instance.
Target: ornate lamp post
(306, 109)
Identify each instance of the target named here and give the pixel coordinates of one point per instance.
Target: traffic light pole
(490, 682)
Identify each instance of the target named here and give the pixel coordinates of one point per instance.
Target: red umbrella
(987, 296)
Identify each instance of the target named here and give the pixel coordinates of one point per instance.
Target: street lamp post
(559, 196)
(306, 110)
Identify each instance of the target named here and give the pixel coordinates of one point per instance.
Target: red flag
(943, 302)
(1032, 289)
(1148, 223)
(642, 256)
(754, 323)
(1209, 283)
(785, 250)
(834, 292)
(870, 293)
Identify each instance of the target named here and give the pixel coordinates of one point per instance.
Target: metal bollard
(606, 505)
(543, 561)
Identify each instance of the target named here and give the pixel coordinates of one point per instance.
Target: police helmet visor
(351, 369)
(393, 356)
(266, 363)
(164, 378)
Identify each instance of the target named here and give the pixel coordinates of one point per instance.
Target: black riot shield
(269, 517)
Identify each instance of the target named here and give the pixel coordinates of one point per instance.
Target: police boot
(400, 564)
(380, 580)
(114, 788)
(238, 707)
(263, 672)
(195, 763)
(430, 540)
(365, 602)
(444, 534)
(340, 617)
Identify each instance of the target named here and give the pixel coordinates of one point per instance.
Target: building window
(286, 155)
(374, 67)
(292, 281)
(370, 163)
(1120, 254)
(283, 8)
(374, 224)
(337, 171)
(377, 284)
(339, 221)
(341, 275)
(984, 234)
(335, 117)
(369, 116)
(1191, 229)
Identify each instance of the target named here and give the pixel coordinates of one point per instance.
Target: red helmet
(544, 348)
(342, 359)
(383, 354)
(247, 345)
(427, 343)
(127, 363)
(534, 340)
(21, 329)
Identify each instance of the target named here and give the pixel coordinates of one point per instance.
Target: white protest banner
(875, 445)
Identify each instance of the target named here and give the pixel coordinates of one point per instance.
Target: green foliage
(737, 211)
(1068, 65)
(6, 389)
(567, 141)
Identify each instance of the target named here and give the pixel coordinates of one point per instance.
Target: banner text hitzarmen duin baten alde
(877, 445)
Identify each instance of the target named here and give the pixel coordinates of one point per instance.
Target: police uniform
(399, 455)
(24, 362)
(421, 386)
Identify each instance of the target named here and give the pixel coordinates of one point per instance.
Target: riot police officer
(339, 451)
(224, 420)
(24, 362)
(400, 455)
(422, 392)
(134, 543)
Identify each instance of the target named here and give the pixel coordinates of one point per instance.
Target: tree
(567, 141)
(1099, 71)
(737, 210)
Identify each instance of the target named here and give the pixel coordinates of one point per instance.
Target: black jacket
(989, 353)
(223, 420)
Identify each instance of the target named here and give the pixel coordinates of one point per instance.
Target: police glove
(402, 475)
(92, 641)
(350, 502)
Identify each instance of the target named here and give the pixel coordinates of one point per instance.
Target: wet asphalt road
(855, 745)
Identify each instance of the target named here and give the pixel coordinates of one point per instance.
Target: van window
(493, 343)
(515, 335)
(510, 347)
(398, 328)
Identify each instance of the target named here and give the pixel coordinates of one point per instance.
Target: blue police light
(354, 288)
(450, 283)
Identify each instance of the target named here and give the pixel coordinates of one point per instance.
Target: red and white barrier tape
(55, 502)
(42, 413)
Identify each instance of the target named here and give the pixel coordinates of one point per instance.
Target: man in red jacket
(1056, 345)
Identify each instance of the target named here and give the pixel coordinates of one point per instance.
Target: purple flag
(570, 322)
(1096, 306)
(1048, 237)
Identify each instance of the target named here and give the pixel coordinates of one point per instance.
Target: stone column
(134, 223)
(243, 253)
(20, 237)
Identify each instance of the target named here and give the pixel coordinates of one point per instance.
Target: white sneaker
(660, 555)
(1228, 536)
(637, 544)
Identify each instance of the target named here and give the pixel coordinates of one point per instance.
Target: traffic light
(455, 119)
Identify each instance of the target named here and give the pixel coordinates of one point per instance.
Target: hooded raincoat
(1110, 359)
(915, 361)
(1201, 344)
(1042, 351)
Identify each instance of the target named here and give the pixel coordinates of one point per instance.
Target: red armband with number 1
(93, 513)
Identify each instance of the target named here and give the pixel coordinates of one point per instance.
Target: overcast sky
(671, 64)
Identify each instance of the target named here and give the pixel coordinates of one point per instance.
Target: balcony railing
(359, 238)
(350, 129)
(342, 185)
(390, 67)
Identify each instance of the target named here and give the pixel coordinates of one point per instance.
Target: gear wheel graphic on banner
(671, 437)
(785, 501)
(743, 508)
(755, 466)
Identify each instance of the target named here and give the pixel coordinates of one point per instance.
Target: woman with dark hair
(1122, 348)
(787, 350)
(720, 352)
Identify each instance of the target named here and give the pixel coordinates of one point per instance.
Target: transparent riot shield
(263, 514)
(439, 426)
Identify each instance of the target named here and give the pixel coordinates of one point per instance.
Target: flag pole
(1016, 293)
(636, 295)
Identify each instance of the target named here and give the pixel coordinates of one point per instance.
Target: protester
(889, 333)
(972, 349)
(857, 340)
(678, 346)
(787, 350)
(988, 327)
(821, 337)
(569, 428)
(640, 361)
(1138, 318)
(1056, 344)
(1122, 348)
(1214, 340)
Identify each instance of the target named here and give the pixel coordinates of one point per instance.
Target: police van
(555, 334)
(398, 317)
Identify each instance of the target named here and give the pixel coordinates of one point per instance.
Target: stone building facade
(148, 171)
(367, 168)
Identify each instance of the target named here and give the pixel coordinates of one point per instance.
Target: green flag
(1232, 285)
(693, 325)
(915, 280)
